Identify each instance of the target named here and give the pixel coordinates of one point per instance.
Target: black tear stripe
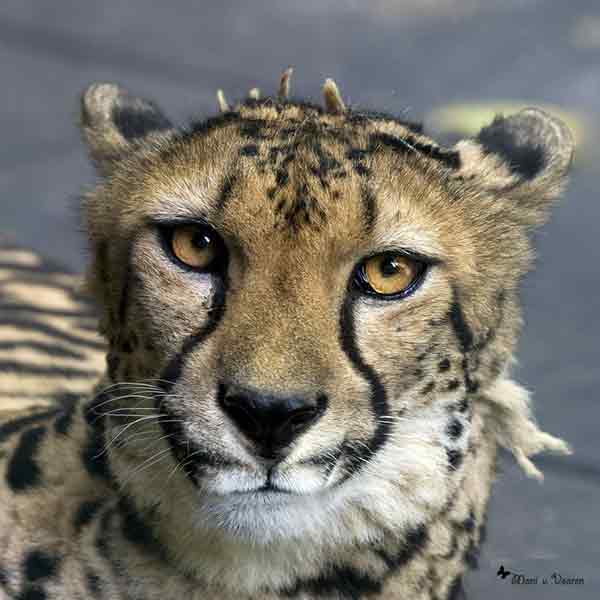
(466, 340)
(23, 472)
(358, 456)
(345, 582)
(172, 428)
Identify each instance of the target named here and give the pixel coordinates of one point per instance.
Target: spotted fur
(147, 489)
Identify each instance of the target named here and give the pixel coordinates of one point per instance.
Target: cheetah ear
(525, 156)
(114, 123)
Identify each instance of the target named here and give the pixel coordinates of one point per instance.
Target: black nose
(271, 421)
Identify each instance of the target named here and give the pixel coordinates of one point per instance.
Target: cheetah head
(305, 305)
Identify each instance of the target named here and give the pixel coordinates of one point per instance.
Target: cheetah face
(307, 303)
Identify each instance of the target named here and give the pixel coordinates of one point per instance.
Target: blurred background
(450, 63)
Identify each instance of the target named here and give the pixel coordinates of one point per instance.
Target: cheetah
(310, 314)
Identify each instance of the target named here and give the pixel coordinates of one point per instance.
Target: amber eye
(391, 274)
(196, 246)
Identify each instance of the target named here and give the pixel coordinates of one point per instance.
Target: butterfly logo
(502, 572)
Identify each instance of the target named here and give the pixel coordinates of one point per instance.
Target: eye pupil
(201, 240)
(389, 266)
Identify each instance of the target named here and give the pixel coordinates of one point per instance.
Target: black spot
(12, 427)
(23, 471)
(33, 593)
(453, 385)
(64, 419)
(344, 582)
(226, 191)
(85, 513)
(455, 458)
(455, 429)
(362, 170)
(102, 541)
(39, 565)
(428, 388)
(471, 385)
(415, 541)
(136, 530)
(444, 365)
(469, 523)
(136, 119)
(253, 128)
(281, 177)
(418, 373)
(93, 582)
(3, 577)
(463, 405)
(249, 150)
(357, 154)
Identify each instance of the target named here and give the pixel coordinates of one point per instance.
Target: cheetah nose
(271, 421)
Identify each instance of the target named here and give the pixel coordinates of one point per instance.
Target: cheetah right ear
(114, 123)
(524, 157)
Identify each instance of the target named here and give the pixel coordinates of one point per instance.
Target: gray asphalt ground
(407, 57)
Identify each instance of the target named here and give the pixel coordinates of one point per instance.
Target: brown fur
(387, 492)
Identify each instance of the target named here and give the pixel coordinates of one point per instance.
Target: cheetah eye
(196, 246)
(390, 274)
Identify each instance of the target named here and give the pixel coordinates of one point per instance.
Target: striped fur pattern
(49, 332)
(148, 488)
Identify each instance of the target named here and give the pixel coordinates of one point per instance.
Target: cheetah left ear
(525, 156)
(114, 123)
